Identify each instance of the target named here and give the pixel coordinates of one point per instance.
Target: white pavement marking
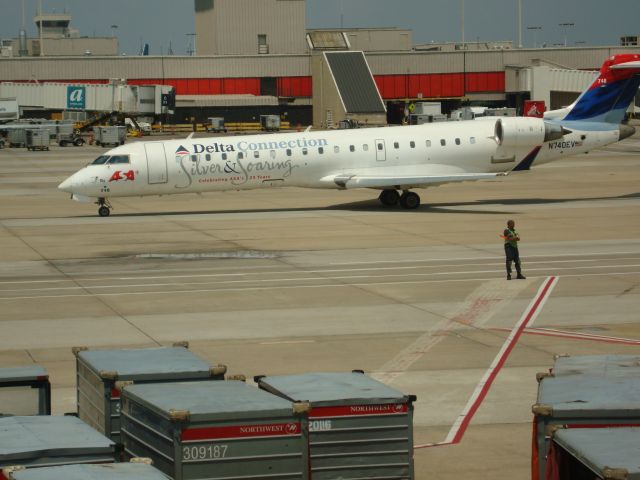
(528, 318)
(475, 310)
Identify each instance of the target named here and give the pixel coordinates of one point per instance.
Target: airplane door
(156, 163)
(381, 151)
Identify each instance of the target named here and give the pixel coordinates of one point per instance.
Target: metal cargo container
(601, 453)
(215, 430)
(270, 122)
(135, 470)
(38, 139)
(358, 427)
(25, 391)
(48, 441)
(580, 400)
(114, 135)
(17, 137)
(597, 365)
(100, 375)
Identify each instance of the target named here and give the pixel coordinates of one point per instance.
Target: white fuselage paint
(315, 158)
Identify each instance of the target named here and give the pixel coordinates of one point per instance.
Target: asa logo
(120, 175)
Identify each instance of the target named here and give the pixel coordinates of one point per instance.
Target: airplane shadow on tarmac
(373, 205)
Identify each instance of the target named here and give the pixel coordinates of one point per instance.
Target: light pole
(191, 47)
(519, 23)
(535, 35)
(113, 30)
(462, 21)
(566, 26)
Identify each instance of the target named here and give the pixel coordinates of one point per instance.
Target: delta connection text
(239, 170)
(244, 146)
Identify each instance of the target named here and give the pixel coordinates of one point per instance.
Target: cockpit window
(101, 160)
(119, 159)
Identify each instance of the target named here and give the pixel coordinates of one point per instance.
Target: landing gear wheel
(104, 211)
(389, 198)
(410, 200)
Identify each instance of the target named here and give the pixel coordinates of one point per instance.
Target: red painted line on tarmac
(548, 332)
(462, 423)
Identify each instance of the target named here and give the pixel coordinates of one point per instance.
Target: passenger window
(443, 142)
(380, 146)
(457, 141)
(256, 154)
(224, 156)
(320, 150)
(428, 143)
(207, 157)
(396, 145)
(412, 144)
(472, 140)
(352, 148)
(336, 149)
(365, 147)
(304, 151)
(288, 152)
(273, 153)
(194, 158)
(101, 160)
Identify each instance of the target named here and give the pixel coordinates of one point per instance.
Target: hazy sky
(160, 22)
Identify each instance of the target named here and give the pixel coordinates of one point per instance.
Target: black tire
(104, 211)
(410, 200)
(78, 142)
(389, 197)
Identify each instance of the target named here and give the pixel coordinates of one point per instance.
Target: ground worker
(511, 239)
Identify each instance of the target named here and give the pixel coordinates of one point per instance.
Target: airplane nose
(67, 185)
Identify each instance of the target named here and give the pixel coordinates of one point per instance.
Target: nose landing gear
(105, 207)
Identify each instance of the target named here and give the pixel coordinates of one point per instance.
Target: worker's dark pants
(512, 255)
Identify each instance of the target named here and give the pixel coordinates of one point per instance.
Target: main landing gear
(408, 200)
(105, 207)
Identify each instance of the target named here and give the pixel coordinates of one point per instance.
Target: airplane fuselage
(316, 159)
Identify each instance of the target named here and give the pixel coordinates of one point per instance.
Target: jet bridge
(114, 97)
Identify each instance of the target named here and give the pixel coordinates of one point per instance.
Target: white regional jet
(390, 159)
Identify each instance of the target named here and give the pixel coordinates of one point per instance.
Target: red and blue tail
(609, 97)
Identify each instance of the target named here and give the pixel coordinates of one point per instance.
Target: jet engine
(524, 131)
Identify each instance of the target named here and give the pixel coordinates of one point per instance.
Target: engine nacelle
(525, 131)
(519, 131)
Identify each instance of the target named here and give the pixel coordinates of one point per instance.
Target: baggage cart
(101, 374)
(270, 123)
(358, 427)
(137, 469)
(110, 136)
(215, 430)
(601, 453)
(48, 441)
(216, 124)
(25, 391)
(38, 139)
(17, 137)
(577, 401)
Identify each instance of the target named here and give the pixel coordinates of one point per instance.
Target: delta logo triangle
(182, 151)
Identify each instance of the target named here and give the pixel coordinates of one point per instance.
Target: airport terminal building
(247, 65)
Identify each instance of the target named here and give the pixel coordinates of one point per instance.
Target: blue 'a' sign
(76, 97)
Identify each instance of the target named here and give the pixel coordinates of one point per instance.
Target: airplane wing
(405, 182)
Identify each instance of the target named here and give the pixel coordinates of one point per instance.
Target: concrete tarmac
(291, 281)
